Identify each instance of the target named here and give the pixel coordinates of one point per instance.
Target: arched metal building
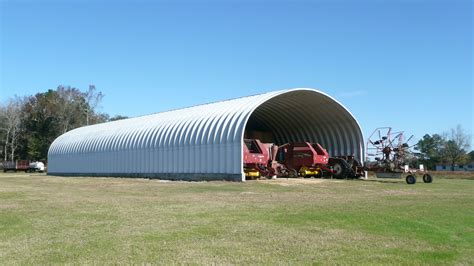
(205, 142)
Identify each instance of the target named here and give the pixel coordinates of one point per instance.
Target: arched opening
(306, 115)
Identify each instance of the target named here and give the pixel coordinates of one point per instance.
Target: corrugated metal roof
(206, 140)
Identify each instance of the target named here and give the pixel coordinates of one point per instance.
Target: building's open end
(306, 115)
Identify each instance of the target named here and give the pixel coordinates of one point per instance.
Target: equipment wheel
(340, 167)
(427, 178)
(292, 173)
(340, 170)
(410, 180)
(337, 167)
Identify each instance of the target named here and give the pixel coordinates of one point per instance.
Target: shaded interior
(306, 116)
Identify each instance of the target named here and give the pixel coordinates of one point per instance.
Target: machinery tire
(292, 173)
(427, 178)
(353, 171)
(341, 167)
(410, 180)
(338, 170)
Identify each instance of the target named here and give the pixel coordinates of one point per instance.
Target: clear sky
(405, 64)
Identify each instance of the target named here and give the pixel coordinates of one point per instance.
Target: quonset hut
(205, 142)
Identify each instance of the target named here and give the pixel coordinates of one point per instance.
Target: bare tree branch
(12, 114)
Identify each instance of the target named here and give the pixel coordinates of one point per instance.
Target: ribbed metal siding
(204, 139)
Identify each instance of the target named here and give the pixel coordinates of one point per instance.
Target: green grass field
(46, 219)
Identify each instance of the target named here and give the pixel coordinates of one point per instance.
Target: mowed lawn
(46, 219)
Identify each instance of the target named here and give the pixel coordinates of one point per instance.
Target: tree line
(29, 124)
(446, 148)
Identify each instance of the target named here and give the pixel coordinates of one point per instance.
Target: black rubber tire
(353, 171)
(338, 170)
(293, 173)
(343, 169)
(410, 180)
(427, 178)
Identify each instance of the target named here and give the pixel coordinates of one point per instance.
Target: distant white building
(461, 167)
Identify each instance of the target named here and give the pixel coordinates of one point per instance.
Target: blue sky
(405, 64)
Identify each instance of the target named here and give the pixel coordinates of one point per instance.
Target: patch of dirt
(247, 193)
(9, 206)
(293, 181)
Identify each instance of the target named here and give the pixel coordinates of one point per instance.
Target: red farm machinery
(297, 159)
(389, 155)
